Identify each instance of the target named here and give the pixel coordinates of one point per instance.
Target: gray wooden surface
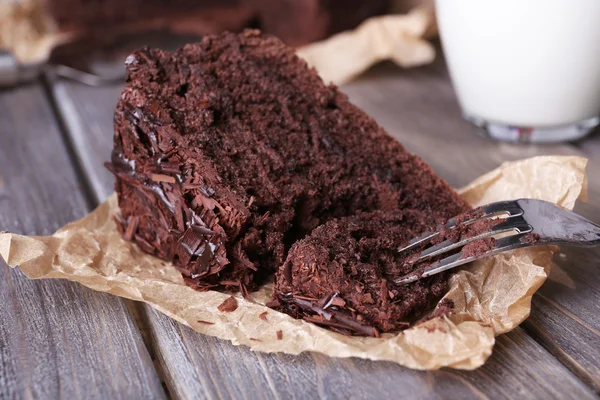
(555, 354)
(57, 339)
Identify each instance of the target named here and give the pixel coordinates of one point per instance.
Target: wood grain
(419, 108)
(57, 339)
(89, 121)
(211, 368)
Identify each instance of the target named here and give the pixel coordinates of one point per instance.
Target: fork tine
(416, 241)
(508, 208)
(516, 223)
(427, 236)
(504, 244)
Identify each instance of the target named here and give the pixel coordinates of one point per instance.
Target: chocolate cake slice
(228, 151)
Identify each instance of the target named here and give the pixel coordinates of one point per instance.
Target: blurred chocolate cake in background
(105, 16)
(295, 22)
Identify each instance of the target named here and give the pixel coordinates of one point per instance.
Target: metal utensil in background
(13, 73)
(91, 60)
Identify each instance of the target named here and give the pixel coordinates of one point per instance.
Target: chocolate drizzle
(333, 317)
(196, 249)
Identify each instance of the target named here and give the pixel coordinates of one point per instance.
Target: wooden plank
(505, 379)
(208, 367)
(233, 371)
(91, 122)
(57, 339)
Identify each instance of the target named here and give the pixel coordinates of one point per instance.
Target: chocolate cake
(296, 22)
(229, 151)
(106, 15)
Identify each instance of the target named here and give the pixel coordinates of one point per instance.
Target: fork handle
(566, 227)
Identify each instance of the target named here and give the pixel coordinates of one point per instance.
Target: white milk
(531, 63)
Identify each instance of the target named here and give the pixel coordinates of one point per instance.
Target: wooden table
(59, 339)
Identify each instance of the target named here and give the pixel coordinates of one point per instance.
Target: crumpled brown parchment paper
(491, 296)
(27, 31)
(397, 37)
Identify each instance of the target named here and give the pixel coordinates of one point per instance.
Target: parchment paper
(491, 296)
(396, 37)
(27, 30)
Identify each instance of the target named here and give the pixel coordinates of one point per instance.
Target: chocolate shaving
(279, 334)
(263, 316)
(132, 226)
(120, 224)
(205, 322)
(229, 305)
(144, 244)
(162, 178)
(331, 300)
(337, 302)
(336, 318)
(230, 283)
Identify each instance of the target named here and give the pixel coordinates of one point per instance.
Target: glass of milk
(525, 70)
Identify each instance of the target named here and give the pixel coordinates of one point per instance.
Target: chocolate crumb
(279, 335)
(530, 238)
(263, 316)
(478, 247)
(435, 328)
(445, 307)
(229, 305)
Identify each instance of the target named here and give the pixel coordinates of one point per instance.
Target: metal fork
(544, 222)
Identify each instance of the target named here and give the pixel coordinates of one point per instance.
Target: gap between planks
(92, 201)
(54, 343)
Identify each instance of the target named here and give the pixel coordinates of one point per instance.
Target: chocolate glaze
(195, 251)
